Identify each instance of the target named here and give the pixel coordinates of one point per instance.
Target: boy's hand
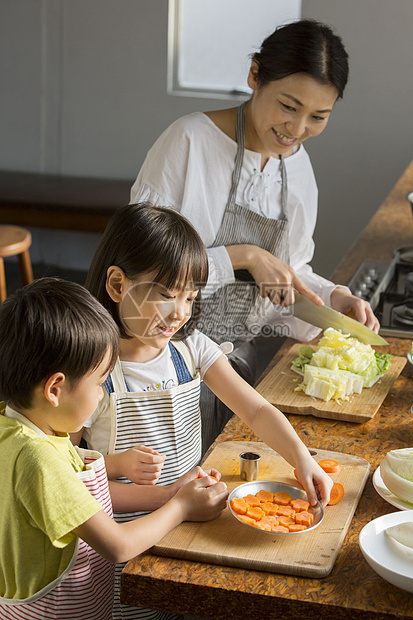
(202, 501)
(141, 464)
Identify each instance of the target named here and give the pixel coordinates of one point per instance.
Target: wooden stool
(15, 240)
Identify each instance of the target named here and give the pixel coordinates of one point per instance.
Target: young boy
(58, 540)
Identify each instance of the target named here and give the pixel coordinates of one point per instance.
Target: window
(210, 43)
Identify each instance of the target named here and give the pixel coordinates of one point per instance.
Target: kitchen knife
(324, 317)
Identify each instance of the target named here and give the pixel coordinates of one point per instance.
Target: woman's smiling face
(284, 113)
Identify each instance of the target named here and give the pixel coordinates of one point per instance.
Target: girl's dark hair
(304, 46)
(50, 326)
(141, 238)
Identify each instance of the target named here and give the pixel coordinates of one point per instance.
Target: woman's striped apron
(237, 312)
(85, 589)
(167, 421)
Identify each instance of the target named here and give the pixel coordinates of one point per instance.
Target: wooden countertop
(353, 589)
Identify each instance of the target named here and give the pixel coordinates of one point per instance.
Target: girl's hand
(202, 501)
(357, 308)
(142, 465)
(275, 279)
(317, 484)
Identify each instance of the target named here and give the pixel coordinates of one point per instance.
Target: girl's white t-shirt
(157, 374)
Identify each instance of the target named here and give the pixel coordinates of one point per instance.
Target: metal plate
(275, 487)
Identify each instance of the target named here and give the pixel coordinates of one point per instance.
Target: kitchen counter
(353, 589)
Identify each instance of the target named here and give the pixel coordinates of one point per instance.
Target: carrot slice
(330, 466)
(239, 506)
(269, 522)
(286, 521)
(304, 518)
(255, 513)
(252, 500)
(264, 496)
(247, 520)
(336, 494)
(295, 527)
(282, 498)
(269, 508)
(280, 528)
(300, 505)
(285, 511)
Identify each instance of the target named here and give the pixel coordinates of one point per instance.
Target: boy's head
(51, 326)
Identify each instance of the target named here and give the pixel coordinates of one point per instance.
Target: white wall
(84, 92)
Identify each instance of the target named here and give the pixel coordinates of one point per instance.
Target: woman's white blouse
(190, 169)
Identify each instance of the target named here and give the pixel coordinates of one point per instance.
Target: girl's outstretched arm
(270, 425)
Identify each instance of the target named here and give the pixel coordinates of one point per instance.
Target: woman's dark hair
(304, 46)
(49, 326)
(141, 238)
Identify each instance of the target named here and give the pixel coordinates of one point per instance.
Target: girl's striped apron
(237, 312)
(167, 421)
(85, 589)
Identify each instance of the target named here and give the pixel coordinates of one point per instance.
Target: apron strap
(182, 372)
(236, 174)
(181, 369)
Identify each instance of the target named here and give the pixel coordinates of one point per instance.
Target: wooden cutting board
(228, 542)
(278, 388)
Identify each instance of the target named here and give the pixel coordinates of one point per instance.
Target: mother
(243, 178)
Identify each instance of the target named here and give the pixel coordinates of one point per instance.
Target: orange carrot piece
(300, 505)
(330, 466)
(264, 496)
(336, 494)
(269, 508)
(247, 519)
(255, 513)
(280, 528)
(286, 521)
(304, 518)
(295, 527)
(282, 498)
(239, 505)
(285, 511)
(252, 500)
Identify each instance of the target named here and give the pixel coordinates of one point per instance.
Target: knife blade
(324, 317)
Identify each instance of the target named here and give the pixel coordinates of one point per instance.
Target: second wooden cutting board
(278, 388)
(230, 543)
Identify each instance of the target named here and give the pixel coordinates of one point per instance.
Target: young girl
(148, 271)
(58, 540)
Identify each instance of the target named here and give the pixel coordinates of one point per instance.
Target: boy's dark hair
(141, 238)
(304, 46)
(49, 326)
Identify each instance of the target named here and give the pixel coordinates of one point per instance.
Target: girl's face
(284, 113)
(152, 313)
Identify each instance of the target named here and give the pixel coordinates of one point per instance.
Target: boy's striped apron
(167, 421)
(85, 589)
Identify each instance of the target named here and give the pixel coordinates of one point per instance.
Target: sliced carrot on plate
(252, 500)
(282, 498)
(281, 529)
(264, 495)
(296, 527)
(330, 466)
(285, 511)
(304, 518)
(336, 494)
(299, 504)
(255, 513)
(239, 505)
(269, 508)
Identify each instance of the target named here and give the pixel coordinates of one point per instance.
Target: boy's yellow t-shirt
(42, 502)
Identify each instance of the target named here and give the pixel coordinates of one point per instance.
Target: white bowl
(275, 487)
(386, 556)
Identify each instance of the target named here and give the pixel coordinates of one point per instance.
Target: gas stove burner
(404, 312)
(405, 255)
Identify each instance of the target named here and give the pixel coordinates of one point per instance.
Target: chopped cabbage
(344, 358)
